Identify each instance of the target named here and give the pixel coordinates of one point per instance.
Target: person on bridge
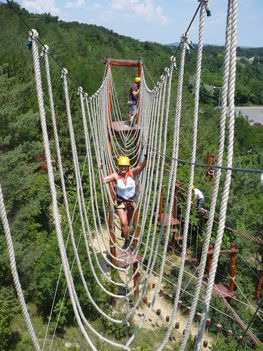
(125, 192)
(133, 99)
(198, 195)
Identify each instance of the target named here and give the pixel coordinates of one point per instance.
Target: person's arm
(137, 170)
(109, 178)
(136, 92)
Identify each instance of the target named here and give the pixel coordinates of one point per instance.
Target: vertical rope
(34, 35)
(172, 179)
(12, 259)
(225, 195)
(210, 222)
(169, 72)
(64, 187)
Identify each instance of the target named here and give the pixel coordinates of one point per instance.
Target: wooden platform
(123, 126)
(174, 221)
(129, 257)
(222, 291)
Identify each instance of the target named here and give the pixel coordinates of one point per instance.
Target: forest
(81, 48)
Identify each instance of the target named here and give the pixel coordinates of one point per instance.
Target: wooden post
(112, 236)
(207, 163)
(135, 264)
(139, 100)
(161, 206)
(174, 216)
(111, 225)
(109, 98)
(259, 287)
(136, 278)
(210, 258)
(135, 220)
(173, 242)
(175, 203)
(233, 267)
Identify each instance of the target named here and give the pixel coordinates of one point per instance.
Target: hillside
(81, 49)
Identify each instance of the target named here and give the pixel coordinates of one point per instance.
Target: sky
(161, 21)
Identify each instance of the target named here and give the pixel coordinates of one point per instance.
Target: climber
(133, 99)
(126, 191)
(198, 195)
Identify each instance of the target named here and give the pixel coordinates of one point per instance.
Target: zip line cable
(203, 165)
(250, 322)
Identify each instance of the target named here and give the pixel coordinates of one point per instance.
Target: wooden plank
(128, 257)
(222, 291)
(123, 63)
(174, 221)
(123, 126)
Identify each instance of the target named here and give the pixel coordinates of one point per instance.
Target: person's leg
(130, 111)
(200, 204)
(130, 213)
(122, 213)
(133, 112)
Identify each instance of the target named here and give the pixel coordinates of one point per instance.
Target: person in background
(198, 195)
(133, 99)
(125, 192)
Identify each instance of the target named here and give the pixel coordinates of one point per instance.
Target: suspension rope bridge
(107, 136)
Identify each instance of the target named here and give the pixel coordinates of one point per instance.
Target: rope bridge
(107, 136)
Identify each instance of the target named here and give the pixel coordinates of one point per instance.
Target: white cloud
(93, 7)
(144, 9)
(40, 6)
(75, 5)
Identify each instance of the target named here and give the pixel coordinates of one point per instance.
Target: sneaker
(126, 244)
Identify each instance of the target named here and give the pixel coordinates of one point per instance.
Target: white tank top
(126, 187)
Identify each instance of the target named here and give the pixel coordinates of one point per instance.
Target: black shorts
(124, 204)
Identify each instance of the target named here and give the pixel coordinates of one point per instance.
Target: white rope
(206, 243)
(81, 202)
(222, 215)
(161, 231)
(64, 190)
(75, 249)
(11, 253)
(56, 217)
(174, 162)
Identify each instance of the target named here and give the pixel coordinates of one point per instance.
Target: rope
(216, 185)
(52, 184)
(232, 76)
(162, 227)
(64, 192)
(12, 259)
(176, 147)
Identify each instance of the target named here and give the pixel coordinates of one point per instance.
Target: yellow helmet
(124, 161)
(193, 187)
(137, 79)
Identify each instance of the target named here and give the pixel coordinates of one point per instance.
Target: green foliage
(118, 331)
(229, 344)
(81, 48)
(144, 347)
(9, 307)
